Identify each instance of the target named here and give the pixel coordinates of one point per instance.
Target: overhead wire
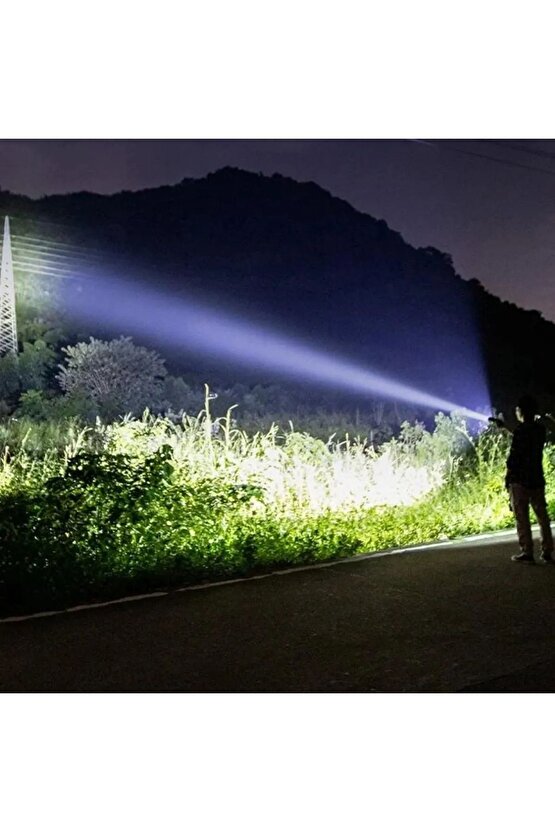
(543, 154)
(447, 146)
(36, 254)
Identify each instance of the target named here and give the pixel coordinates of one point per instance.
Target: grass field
(92, 512)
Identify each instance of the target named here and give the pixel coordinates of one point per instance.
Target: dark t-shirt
(524, 464)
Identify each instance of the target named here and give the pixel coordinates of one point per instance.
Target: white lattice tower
(8, 325)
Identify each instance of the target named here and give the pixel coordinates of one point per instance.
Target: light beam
(189, 324)
(185, 323)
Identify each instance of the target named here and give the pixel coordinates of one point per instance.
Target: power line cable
(41, 242)
(48, 256)
(40, 221)
(447, 147)
(45, 272)
(543, 154)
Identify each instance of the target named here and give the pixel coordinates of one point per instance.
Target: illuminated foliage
(27, 371)
(9, 376)
(117, 376)
(36, 361)
(141, 503)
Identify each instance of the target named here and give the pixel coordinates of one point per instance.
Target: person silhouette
(525, 480)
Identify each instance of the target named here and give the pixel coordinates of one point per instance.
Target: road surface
(457, 617)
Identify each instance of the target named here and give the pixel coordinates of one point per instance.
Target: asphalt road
(461, 617)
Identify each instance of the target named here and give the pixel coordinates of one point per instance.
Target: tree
(180, 397)
(40, 406)
(117, 376)
(28, 370)
(33, 404)
(35, 363)
(9, 376)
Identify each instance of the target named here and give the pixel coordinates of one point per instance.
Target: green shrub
(92, 512)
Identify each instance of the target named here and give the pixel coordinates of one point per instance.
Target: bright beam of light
(194, 326)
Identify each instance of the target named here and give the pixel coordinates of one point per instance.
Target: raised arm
(501, 424)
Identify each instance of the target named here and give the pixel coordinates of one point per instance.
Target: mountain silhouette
(296, 259)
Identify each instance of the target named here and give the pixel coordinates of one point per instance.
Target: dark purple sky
(497, 220)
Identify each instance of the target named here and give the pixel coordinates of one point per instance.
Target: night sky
(496, 219)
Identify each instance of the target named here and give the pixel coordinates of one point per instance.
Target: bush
(116, 376)
(146, 502)
(36, 362)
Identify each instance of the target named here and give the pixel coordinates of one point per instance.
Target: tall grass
(87, 512)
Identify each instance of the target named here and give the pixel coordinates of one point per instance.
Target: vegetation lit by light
(140, 503)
